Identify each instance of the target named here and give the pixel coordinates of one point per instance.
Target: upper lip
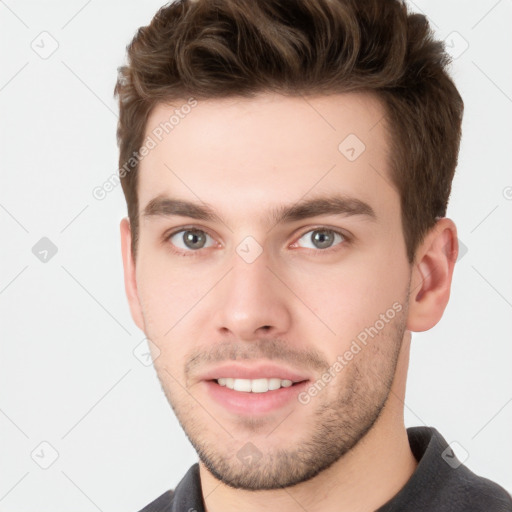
(254, 371)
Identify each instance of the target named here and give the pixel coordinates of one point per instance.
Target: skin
(297, 305)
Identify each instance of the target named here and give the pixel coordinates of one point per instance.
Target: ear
(431, 277)
(130, 282)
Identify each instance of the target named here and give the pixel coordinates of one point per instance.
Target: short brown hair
(219, 48)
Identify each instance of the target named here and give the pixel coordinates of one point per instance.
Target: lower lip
(242, 402)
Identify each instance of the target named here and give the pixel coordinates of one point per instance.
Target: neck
(362, 480)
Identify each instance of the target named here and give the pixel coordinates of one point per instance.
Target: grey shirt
(439, 484)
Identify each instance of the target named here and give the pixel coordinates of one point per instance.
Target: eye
(323, 238)
(189, 240)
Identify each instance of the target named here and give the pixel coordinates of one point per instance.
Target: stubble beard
(338, 418)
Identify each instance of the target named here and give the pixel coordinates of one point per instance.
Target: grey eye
(191, 238)
(322, 238)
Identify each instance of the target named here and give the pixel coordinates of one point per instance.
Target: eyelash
(313, 252)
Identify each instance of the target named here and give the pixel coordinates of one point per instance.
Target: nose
(253, 300)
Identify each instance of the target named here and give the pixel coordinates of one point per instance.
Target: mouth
(254, 397)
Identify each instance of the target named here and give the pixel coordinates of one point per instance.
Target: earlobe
(130, 282)
(432, 276)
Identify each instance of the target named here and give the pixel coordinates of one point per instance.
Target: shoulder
(456, 486)
(474, 492)
(162, 504)
(442, 483)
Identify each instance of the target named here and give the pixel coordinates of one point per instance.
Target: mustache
(272, 350)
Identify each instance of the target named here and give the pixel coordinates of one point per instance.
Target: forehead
(242, 153)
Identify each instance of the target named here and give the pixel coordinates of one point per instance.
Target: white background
(68, 375)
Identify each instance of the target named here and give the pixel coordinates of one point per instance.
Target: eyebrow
(330, 205)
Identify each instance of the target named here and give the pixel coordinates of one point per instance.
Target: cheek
(164, 308)
(166, 288)
(350, 295)
(347, 294)
(171, 296)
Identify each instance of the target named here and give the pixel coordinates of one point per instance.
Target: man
(287, 168)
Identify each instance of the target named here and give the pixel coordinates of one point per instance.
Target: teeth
(254, 385)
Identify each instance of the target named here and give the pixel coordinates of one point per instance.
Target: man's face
(223, 297)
